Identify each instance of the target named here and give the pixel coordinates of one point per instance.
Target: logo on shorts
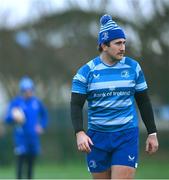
(92, 164)
(130, 158)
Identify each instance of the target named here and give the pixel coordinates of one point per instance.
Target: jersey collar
(123, 60)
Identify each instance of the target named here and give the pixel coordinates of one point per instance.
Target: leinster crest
(105, 36)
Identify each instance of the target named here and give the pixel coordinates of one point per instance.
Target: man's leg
(122, 172)
(19, 166)
(99, 164)
(30, 159)
(125, 157)
(99, 159)
(102, 175)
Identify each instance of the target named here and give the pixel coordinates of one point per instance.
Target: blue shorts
(27, 145)
(113, 148)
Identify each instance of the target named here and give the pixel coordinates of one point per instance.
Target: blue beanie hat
(26, 84)
(109, 30)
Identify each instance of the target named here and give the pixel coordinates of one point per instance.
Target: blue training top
(34, 111)
(110, 93)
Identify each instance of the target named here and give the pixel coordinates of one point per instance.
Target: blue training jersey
(34, 111)
(110, 93)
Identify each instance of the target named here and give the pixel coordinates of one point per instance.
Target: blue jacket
(35, 113)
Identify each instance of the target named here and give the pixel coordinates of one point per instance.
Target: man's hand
(83, 142)
(39, 129)
(151, 144)
(18, 115)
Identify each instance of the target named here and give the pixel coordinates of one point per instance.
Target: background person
(111, 83)
(29, 117)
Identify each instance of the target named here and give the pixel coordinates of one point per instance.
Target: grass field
(148, 169)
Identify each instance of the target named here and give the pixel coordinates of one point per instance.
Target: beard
(117, 57)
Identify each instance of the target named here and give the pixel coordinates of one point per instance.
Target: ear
(104, 47)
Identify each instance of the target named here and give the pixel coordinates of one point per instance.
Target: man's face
(116, 49)
(28, 93)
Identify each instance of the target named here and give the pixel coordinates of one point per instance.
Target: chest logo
(96, 76)
(125, 74)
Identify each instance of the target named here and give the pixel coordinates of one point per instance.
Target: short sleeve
(80, 82)
(140, 79)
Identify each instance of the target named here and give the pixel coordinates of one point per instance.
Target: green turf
(152, 167)
(148, 169)
(68, 170)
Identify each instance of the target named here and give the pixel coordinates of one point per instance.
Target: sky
(16, 12)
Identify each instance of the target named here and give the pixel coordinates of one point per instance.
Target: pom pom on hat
(109, 30)
(104, 19)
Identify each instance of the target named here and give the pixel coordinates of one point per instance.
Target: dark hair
(100, 49)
